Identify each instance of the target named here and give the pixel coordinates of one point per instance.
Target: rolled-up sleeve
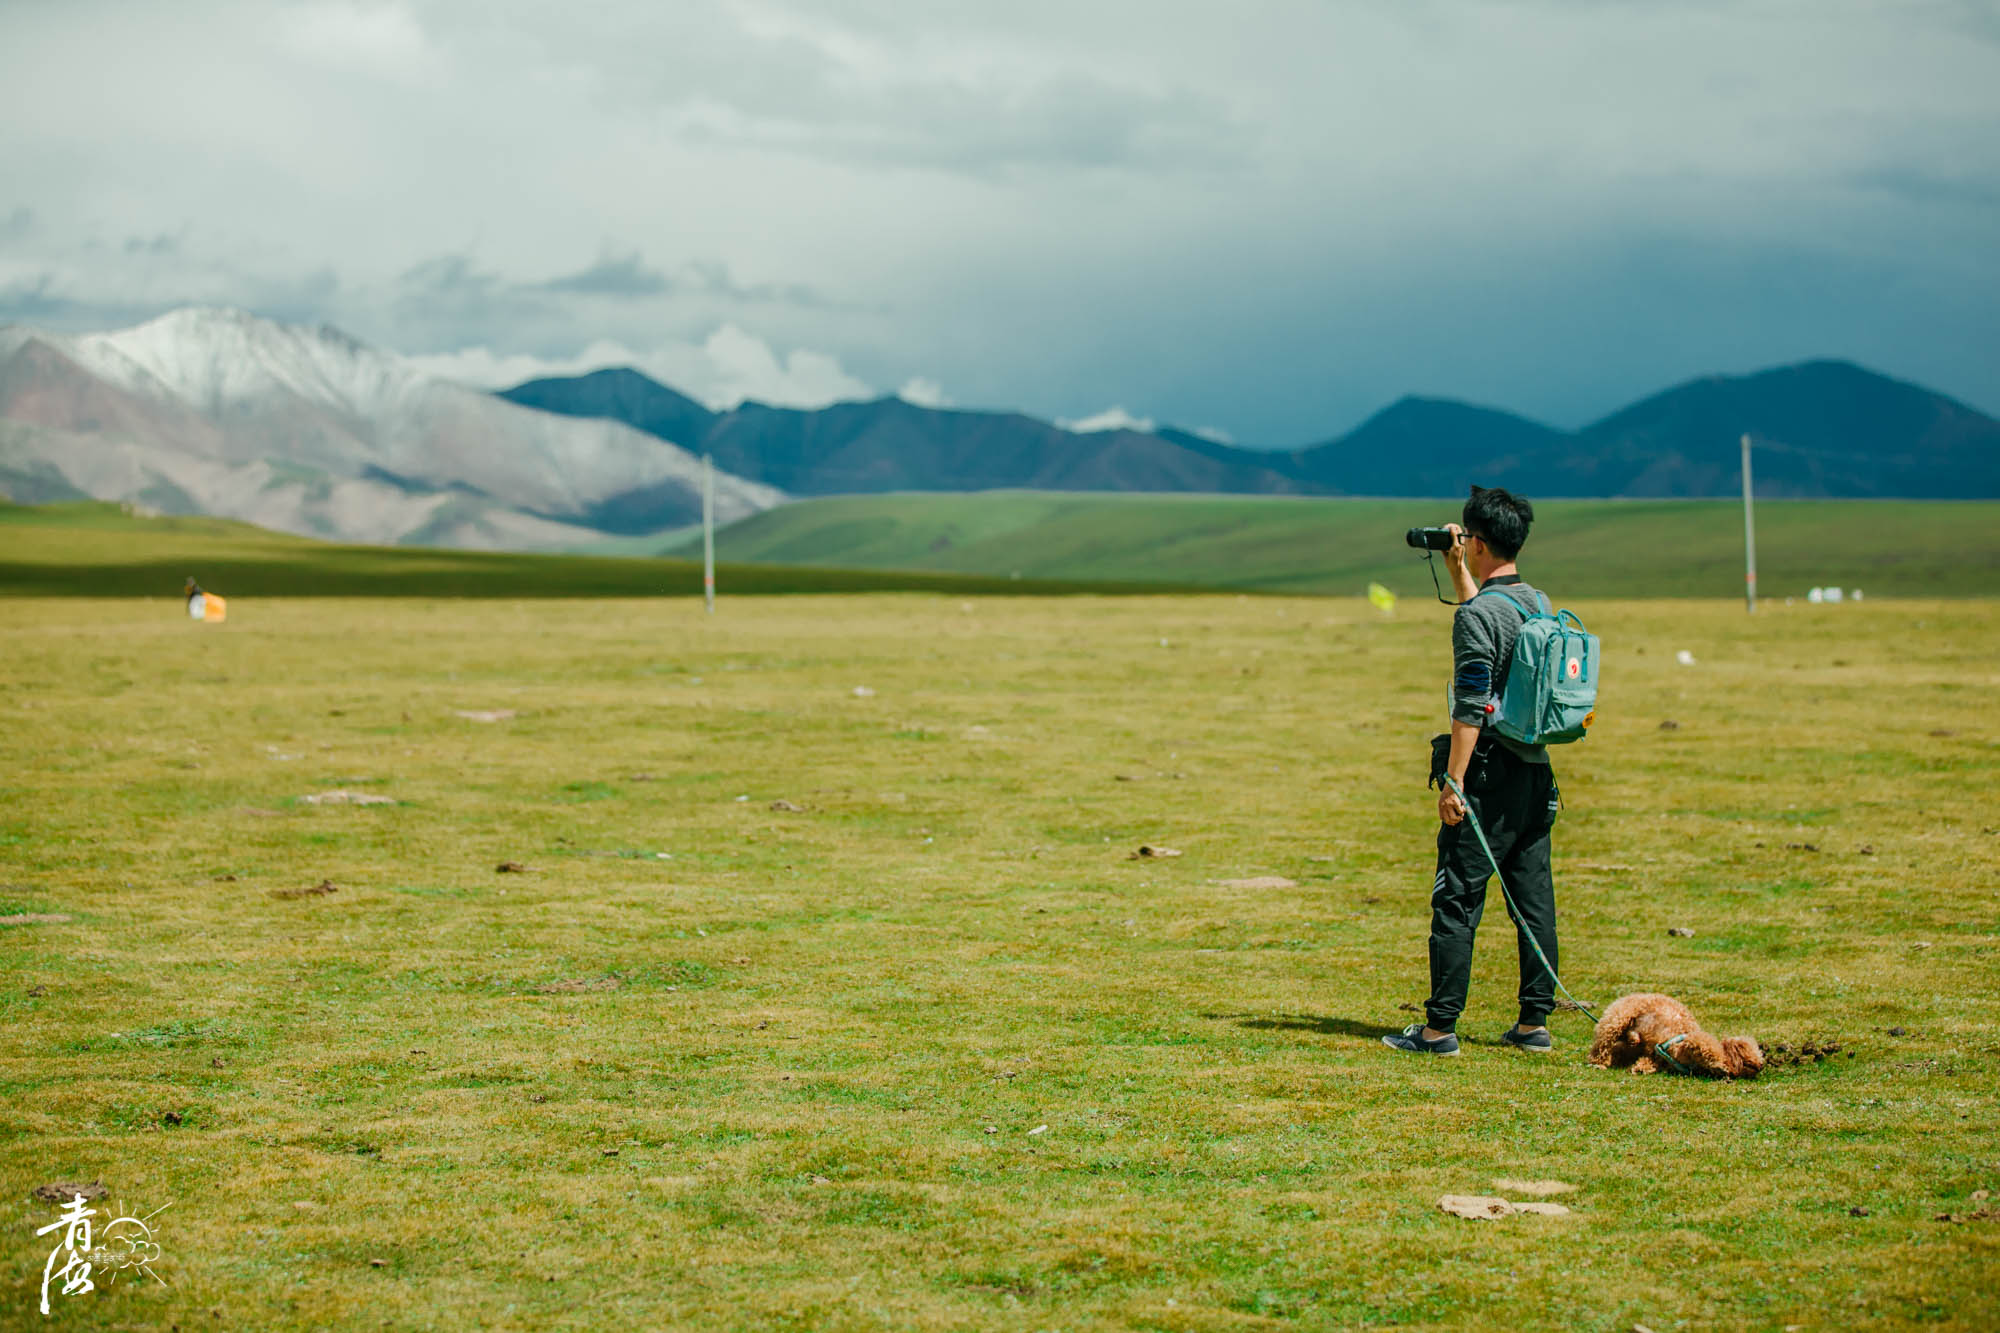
(1474, 654)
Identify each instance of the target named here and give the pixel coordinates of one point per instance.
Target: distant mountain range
(893, 445)
(1823, 428)
(306, 430)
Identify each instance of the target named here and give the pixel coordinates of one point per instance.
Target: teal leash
(1664, 1050)
(1514, 914)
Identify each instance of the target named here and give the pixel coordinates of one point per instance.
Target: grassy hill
(1033, 542)
(93, 549)
(1582, 548)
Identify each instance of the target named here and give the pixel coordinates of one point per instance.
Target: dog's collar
(1665, 1051)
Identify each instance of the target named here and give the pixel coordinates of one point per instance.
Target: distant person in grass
(1510, 786)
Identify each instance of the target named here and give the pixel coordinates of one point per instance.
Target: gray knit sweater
(1483, 632)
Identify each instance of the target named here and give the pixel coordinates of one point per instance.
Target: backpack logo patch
(1573, 668)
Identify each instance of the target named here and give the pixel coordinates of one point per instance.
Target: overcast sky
(1265, 218)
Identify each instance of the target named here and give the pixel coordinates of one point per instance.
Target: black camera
(1429, 539)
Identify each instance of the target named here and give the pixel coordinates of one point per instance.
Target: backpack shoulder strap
(1507, 591)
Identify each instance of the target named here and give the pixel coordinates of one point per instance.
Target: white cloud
(923, 392)
(1111, 418)
(383, 40)
(483, 368)
(721, 371)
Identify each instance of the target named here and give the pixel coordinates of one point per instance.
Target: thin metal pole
(1749, 535)
(708, 532)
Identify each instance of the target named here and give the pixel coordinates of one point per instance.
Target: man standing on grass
(1510, 787)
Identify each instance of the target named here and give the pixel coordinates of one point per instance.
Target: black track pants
(1515, 803)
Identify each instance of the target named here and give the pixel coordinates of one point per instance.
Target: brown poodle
(1649, 1033)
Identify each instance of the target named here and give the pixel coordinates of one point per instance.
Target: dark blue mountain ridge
(1821, 428)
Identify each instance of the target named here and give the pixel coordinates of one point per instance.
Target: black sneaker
(1411, 1039)
(1538, 1040)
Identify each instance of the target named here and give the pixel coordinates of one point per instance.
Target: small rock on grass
(511, 868)
(1488, 1208)
(1478, 1207)
(485, 714)
(1681, 932)
(1147, 851)
(787, 807)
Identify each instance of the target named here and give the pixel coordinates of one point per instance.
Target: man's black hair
(1498, 517)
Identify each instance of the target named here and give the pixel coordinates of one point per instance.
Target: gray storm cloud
(1273, 219)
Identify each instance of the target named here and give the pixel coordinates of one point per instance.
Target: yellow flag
(1383, 599)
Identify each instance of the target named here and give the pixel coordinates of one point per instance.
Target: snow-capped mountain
(308, 430)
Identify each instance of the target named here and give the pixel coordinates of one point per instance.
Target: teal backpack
(1550, 696)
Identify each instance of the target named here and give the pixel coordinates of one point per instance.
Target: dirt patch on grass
(1807, 1053)
(345, 797)
(62, 1191)
(319, 890)
(576, 987)
(35, 919)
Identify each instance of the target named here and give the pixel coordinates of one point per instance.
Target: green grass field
(94, 549)
(710, 1062)
(1586, 548)
(1035, 543)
